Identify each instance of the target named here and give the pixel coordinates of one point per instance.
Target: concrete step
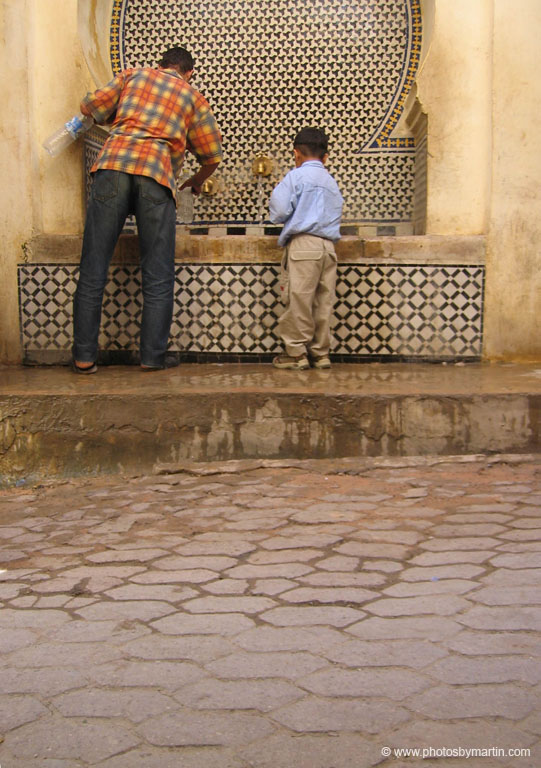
(54, 423)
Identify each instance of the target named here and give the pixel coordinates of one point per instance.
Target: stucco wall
(94, 20)
(513, 290)
(453, 87)
(44, 77)
(60, 78)
(480, 87)
(17, 164)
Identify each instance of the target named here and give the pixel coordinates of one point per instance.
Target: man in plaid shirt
(156, 116)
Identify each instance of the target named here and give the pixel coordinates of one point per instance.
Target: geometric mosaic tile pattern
(45, 305)
(226, 308)
(271, 68)
(409, 310)
(381, 311)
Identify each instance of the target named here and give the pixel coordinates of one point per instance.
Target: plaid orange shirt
(158, 117)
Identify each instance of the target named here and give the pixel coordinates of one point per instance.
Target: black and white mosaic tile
(387, 311)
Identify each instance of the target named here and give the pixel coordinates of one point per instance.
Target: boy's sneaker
(299, 363)
(321, 362)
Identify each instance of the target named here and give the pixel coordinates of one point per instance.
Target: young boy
(309, 203)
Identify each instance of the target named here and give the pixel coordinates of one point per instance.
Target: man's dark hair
(177, 57)
(312, 142)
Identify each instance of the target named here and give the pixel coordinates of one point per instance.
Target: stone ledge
(55, 424)
(105, 434)
(190, 249)
(426, 249)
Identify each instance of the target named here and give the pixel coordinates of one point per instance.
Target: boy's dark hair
(177, 57)
(312, 142)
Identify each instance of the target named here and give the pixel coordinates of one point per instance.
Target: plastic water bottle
(185, 205)
(70, 131)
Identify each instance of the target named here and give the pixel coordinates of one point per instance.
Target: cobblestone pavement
(274, 615)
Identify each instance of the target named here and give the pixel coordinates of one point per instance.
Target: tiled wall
(271, 68)
(227, 311)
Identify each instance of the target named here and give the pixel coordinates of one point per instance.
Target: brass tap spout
(261, 165)
(210, 187)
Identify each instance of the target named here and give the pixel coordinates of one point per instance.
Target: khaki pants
(309, 280)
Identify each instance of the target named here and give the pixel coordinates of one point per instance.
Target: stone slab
(193, 413)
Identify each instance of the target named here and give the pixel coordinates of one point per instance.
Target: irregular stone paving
(274, 615)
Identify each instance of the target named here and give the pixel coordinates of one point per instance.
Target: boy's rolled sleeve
(281, 202)
(102, 103)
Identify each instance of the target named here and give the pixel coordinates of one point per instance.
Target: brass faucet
(261, 165)
(210, 187)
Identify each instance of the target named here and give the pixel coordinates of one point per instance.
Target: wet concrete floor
(319, 614)
(370, 378)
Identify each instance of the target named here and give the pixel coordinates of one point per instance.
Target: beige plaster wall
(44, 77)
(513, 288)
(60, 79)
(17, 165)
(94, 22)
(453, 87)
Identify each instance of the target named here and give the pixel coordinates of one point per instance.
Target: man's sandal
(84, 369)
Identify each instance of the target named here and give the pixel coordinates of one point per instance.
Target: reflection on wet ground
(348, 378)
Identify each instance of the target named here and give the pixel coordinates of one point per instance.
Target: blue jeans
(114, 195)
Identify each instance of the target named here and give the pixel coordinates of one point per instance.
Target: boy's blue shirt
(307, 201)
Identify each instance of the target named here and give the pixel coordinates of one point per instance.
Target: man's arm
(102, 104)
(205, 142)
(197, 180)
